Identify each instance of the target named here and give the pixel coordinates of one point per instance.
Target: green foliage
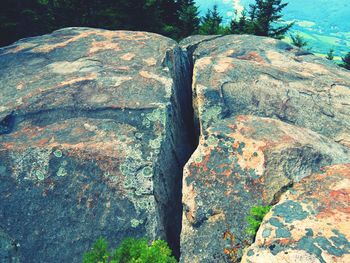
(212, 23)
(262, 20)
(330, 54)
(255, 217)
(298, 41)
(99, 253)
(130, 251)
(346, 61)
(24, 18)
(189, 18)
(242, 26)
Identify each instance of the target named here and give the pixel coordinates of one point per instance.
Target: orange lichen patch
(334, 196)
(313, 68)
(253, 56)
(223, 64)
(218, 215)
(49, 47)
(202, 63)
(128, 56)
(145, 74)
(276, 58)
(8, 145)
(43, 141)
(124, 68)
(228, 235)
(252, 156)
(285, 241)
(91, 76)
(133, 36)
(331, 190)
(228, 53)
(97, 46)
(150, 61)
(20, 85)
(20, 47)
(203, 165)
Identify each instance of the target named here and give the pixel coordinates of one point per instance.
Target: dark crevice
(183, 135)
(181, 141)
(184, 107)
(7, 124)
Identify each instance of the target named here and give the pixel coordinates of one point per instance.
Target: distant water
(324, 23)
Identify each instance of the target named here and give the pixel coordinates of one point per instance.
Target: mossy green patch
(255, 217)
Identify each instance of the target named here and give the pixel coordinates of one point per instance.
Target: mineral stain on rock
(97, 129)
(94, 135)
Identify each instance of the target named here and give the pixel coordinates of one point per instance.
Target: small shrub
(130, 251)
(99, 253)
(255, 217)
(298, 41)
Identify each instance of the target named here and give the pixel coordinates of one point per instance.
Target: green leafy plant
(130, 251)
(255, 217)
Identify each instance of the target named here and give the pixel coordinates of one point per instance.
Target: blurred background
(322, 25)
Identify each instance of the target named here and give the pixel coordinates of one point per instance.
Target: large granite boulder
(243, 162)
(268, 114)
(310, 223)
(95, 127)
(252, 75)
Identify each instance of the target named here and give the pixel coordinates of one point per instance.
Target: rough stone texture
(268, 114)
(92, 140)
(309, 224)
(253, 75)
(8, 249)
(243, 162)
(96, 125)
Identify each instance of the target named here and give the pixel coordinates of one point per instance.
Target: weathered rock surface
(8, 249)
(240, 163)
(310, 223)
(96, 126)
(269, 115)
(93, 137)
(252, 75)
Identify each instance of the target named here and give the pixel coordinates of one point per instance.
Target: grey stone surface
(93, 137)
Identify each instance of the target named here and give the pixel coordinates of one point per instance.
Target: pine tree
(267, 13)
(263, 15)
(211, 22)
(241, 26)
(23, 18)
(346, 61)
(330, 54)
(189, 19)
(298, 41)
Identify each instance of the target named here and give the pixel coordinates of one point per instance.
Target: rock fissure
(255, 144)
(171, 141)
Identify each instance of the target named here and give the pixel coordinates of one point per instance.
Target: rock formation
(310, 223)
(269, 115)
(96, 127)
